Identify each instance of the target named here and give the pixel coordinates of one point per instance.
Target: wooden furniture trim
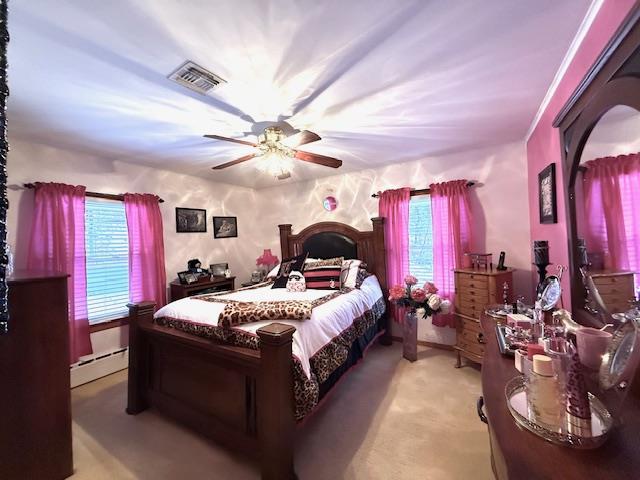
(369, 245)
(608, 83)
(183, 289)
(240, 397)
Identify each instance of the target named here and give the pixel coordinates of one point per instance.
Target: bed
(246, 386)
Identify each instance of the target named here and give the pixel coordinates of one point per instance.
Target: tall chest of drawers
(475, 289)
(615, 288)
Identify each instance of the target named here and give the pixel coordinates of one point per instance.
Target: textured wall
(543, 146)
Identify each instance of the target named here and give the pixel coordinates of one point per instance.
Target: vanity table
(519, 454)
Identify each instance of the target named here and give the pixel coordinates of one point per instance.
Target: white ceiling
(380, 81)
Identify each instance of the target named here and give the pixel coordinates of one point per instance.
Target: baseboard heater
(98, 366)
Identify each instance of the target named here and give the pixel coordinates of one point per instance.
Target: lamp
(267, 260)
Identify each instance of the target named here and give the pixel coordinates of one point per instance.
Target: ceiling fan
(277, 150)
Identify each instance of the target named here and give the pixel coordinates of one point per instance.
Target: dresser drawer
(471, 280)
(474, 296)
(616, 289)
(470, 310)
(613, 280)
(469, 326)
(471, 347)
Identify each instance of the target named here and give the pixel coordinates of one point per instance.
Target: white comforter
(327, 320)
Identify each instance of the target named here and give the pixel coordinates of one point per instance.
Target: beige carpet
(388, 419)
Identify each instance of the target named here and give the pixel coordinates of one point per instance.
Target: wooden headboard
(329, 239)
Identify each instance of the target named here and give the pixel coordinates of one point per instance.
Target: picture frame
(547, 195)
(191, 278)
(225, 227)
(182, 277)
(191, 220)
(218, 269)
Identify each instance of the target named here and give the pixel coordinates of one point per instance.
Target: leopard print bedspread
(236, 312)
(323, 363)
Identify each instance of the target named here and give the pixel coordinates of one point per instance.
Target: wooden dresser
(517, 454)
(35, 399)
(475, 289)
(206, 285)
(615, 288)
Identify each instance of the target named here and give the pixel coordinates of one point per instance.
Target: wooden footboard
(239, 397)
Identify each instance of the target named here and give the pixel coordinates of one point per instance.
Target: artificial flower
(396, 293)
(419, 295)
(434, 302)
(430, 287)
(410, 280)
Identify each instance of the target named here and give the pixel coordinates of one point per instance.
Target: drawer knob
(479, 407)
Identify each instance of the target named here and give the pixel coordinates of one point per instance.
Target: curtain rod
(108, 196)
(421, 191)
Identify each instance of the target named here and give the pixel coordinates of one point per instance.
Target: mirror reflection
(608, 214)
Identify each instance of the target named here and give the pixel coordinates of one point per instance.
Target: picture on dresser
(225, 227)
(547, 194)
(191, 220)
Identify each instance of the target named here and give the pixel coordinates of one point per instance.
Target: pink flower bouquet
(425, 297)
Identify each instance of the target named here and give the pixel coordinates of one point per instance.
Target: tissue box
(518, 320)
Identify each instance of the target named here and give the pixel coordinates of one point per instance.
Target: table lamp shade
(267, 258)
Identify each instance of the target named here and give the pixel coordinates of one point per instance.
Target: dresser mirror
(600, 137)
(607, 206)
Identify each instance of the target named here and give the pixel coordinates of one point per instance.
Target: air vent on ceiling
(196, 78)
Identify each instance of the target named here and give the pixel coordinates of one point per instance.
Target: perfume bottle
(543, 393)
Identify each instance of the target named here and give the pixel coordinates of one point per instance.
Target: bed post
(285, 233)
(381, 272)
(138, 357)
(276, 417)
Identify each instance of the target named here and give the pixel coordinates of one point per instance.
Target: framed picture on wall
(191, 220)
(225, 227)
(547, 194)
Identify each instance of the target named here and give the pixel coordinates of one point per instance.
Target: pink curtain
(612, 208)
(57, 244)
(394, 207)
(147, 277)
(451, 217)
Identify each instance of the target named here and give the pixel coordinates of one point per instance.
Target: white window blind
(107, 251)
(420, 238)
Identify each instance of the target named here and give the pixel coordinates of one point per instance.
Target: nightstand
(206, 285)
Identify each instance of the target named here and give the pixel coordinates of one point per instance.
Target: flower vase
(410, 337)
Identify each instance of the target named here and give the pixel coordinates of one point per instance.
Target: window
(107, 259)
(420, 238)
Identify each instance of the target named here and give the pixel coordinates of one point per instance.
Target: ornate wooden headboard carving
(369, 244)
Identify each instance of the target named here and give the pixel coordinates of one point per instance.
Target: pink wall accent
(543, 146)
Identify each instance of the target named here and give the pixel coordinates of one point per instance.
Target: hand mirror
(621, 358)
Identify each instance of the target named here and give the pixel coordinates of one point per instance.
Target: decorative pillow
(296, 282)
(350, 272)
(362, 275)
(329, 262)
(274, 272)
(325, 277)
(287, 266)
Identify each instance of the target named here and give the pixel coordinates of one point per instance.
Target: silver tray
(498, 311)
(601, 420)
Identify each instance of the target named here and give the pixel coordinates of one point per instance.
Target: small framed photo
(225, 227)
(191, 220)
(182, 276)
(547, 194)
(191, 278)
(218, 269)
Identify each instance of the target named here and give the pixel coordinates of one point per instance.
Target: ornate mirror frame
(614, 79)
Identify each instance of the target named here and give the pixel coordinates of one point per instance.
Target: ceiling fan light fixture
(275, 164)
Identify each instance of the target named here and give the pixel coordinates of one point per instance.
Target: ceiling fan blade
(229, 139)
(234, 162)
(318, 159)
(301, 138)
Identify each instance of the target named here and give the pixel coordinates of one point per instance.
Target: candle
(541, 252)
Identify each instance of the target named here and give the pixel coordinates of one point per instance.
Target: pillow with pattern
(324, 274)
(350, 272)
(287, 266)
(329, 262)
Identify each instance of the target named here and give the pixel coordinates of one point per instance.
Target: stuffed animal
(296, 282)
